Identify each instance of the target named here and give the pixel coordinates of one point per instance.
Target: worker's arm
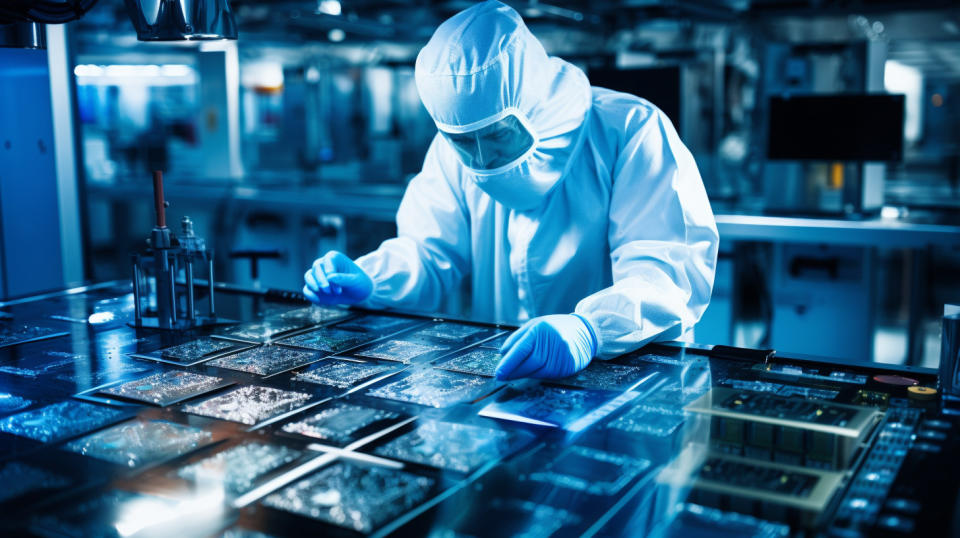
(663, 244)
(431, 253)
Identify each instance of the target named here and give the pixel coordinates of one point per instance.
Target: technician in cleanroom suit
(577, 209)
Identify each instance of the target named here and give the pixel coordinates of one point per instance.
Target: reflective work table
(305, 420)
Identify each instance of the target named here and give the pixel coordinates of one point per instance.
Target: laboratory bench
(288, 419)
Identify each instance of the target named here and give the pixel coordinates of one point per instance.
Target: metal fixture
(22, 35)
(166, 256)
(950, 355)
(173, 20)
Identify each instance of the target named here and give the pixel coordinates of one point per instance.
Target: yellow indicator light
(836, 176)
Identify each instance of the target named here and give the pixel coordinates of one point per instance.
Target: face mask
(521, 182)
(497, 145)
(516, 188)
(524, 185)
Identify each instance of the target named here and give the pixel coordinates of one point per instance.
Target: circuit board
(327, 421)
(786, 429)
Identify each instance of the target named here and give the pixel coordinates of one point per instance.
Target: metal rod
(210, 286)
(173, 290)
(189, 267)
(174, 274)
(158, 202)
(137, 314)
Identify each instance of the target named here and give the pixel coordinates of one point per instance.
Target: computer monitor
(847, 127)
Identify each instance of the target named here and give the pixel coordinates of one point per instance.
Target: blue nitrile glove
(335, 279)
(553, 346)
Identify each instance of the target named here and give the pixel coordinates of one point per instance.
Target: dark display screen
(836, 127)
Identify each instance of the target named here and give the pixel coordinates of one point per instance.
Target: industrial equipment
(161, 264)
(950, 354)
(38, 108)
(156, 20)
(831, 128)
(173, 20)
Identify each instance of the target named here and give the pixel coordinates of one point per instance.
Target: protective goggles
(492, 144)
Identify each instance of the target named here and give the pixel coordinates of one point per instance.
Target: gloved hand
(548, 347)
(335, 279)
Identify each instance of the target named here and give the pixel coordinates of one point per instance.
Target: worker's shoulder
(622, 112)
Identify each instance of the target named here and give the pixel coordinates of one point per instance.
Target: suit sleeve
(431, 254)
(663, 244)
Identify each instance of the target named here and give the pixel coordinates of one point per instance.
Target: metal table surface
(889, 233)
(90, 446)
